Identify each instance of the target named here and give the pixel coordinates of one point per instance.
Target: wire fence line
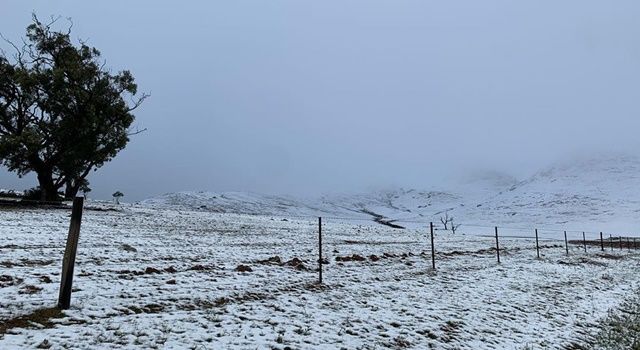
(303, 235)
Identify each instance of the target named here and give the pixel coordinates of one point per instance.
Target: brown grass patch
(7, 281)
(26, 262)
(41, 317)
(610, 256)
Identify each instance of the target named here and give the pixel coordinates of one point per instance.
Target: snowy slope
(596, 192)
(390, 203)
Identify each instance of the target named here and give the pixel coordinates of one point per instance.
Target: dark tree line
(62, 113)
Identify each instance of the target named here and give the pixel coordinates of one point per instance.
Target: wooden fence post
(566, 244)
(497, 246)
(584, 242)
(601, 242)
(620, 240)
(628, 244)
(433, 248)
(537, 245)
(319, 249)
(611, 241)
(69, 260)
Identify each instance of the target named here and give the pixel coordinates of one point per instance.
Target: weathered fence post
(620, 239)
(628, 245)
(601, 242)
(433, 248)
(611, 242)
(566, 244)
(69, 260)
(584, 242)
(537, 245)
(319, 249)
(497, 246)
(634, 244)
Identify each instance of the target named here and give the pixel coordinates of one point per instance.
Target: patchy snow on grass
(173, 278)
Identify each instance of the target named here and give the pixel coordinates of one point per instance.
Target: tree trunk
(72, 188)
(48, 191)
(68, 190)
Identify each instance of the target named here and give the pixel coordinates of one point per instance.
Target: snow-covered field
(166, 278)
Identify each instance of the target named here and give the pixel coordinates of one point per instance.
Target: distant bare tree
(454, 227)
(446, 220)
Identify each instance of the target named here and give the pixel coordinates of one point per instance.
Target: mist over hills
(586, 193)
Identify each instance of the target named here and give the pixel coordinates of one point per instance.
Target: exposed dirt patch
(8, 246)
(610, 256)
(103, 209)
(354, 257)
(243, 268)
(128, 274)
(398, 342)
(375, 257)
(29, 289)
(7, 281)
(41, 317)
(151, 271)
(296, 263)
(582, 261)
(202, 267)
(26, 262)
(451, 329)
(147, 309)
(274, 260)
(349, 241)
(45, 279)
(128, 248)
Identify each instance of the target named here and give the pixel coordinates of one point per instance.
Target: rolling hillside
(587, 192)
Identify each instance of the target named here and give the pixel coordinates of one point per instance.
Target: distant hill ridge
(589, 191)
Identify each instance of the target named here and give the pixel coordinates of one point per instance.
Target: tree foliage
(62, 114)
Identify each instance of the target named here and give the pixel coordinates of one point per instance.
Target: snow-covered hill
(394, 203)
(600, 191)
(596, 191)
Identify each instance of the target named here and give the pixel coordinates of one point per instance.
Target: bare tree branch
(138, 102)
(138, 131)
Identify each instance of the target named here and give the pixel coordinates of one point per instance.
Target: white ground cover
(180, 287)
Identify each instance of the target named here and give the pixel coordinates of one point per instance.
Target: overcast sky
(303, 97)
